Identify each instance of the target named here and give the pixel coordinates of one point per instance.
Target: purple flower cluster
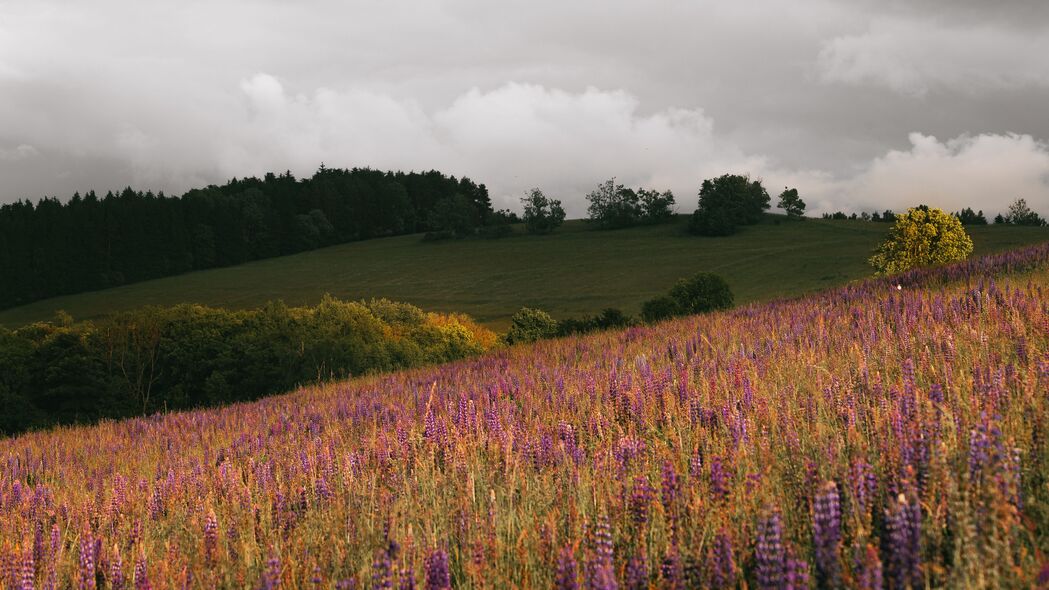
(769, 553)
(826, 535)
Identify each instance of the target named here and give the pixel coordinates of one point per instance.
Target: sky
(861, 105)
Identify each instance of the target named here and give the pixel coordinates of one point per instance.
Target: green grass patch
(574, 271)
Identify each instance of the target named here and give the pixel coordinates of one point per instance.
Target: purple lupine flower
(271, 576)
(671, 569)
(695, 463)
(211, 538)
(719, 479)
(670, 490)
(382, 571)
(826, 535)
(56, 541)
(565, 573)
(141, 576)
(86, 571)
(116, 571)
(721, 564)
(640, 499)
(438, 576)
(867, 569)
(28, 573)
(604, 578)
(864, 485)
(38, 543)
(769, 552)
(636, 575)
(600, 572)
(796, 574)
(903, 521)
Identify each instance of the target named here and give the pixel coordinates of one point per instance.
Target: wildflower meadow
(887, 434)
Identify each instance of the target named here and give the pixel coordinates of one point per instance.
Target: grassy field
(574, 271)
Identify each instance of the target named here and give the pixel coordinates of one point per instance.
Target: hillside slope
(573, 272)
(861, 435)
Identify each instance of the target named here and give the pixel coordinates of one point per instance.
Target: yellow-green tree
(922, 236)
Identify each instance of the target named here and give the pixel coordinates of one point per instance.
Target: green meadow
(574, 271)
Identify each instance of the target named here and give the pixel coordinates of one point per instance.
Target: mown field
(572, 272)
(867, 436)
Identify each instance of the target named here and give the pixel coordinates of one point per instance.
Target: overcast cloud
(861, 105)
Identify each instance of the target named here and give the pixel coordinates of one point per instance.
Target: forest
(90, 242)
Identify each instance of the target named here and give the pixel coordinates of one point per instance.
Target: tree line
(93, 242)
(189, 356)
(1018, 213)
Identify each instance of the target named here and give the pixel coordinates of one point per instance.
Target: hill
(573, 272)
(867, 436)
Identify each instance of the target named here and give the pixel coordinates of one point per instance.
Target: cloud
(809, 93)
(19, 152)
(913, 57)
(986, 171)
(513, 137)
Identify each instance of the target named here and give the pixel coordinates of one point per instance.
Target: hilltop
(572, 272)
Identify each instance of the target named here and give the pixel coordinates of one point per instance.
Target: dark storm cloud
(859, 104)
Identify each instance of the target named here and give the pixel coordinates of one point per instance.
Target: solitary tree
(790, 202)
(613, 206)
(655, 206)
(541, 214)
(728, 201)
(1020, 214)
(920, 237)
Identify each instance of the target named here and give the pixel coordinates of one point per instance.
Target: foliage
(791, 203)
(969, 217)
(93, 242)
(612, 206)
(711, 222)
(726, 202)
(498, 224)
(609, 318)
(1020, 214)
(659, 308)
(862, 437)
(541, 214)
(188, 356)
(530, 325)
(452, 217)
(656, 207)
(920, 237)
(699, 293)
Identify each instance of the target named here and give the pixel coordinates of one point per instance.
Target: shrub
(530, 325)
(658, 309)
(922, 236)
(701, 293)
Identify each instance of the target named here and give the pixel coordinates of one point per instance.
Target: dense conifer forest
(93, 242)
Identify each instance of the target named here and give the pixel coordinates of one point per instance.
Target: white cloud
(915, 56)
(19, 152)
(985, 171)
